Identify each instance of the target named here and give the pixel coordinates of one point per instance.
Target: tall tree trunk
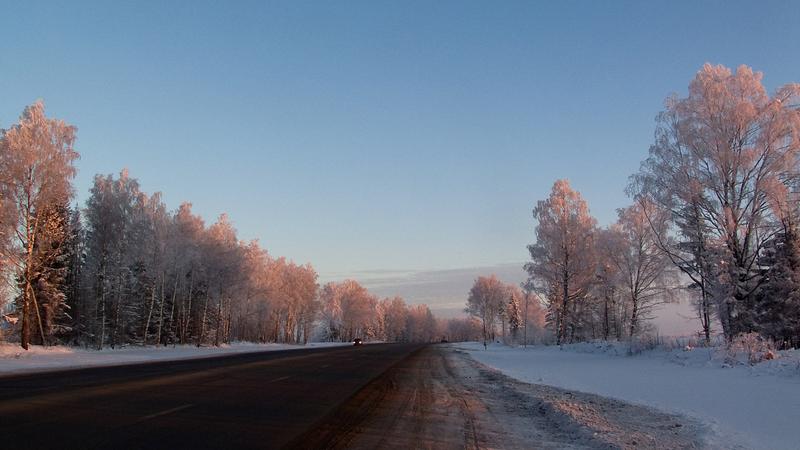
(219, 321)
(203, 321)
(525, 333)
(187, 317)
(102, 313)
(606, 324)
(562, 331)
(705, 313)
(25, 330)
(117, 306)
(149, 314)
(160, 312)
(38, 316)
(230, 324)
(172, 320)
(634, 316)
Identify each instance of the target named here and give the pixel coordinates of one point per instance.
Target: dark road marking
(165, 412)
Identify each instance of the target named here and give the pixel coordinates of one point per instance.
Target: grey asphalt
(253, 400)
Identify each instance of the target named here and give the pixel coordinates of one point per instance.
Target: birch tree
(643, 268)
(222, 256)
(186, 257)
(562, 267)
(7, 234)
(152, 224)
(395, 317)
(109, 217)
(720, 153)
(37, 159)
(421, 326)
(349, 310)
(485, 301)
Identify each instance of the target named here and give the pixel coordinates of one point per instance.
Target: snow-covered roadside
(757, 407)
(14, 360)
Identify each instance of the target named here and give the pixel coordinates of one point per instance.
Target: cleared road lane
(254, 400)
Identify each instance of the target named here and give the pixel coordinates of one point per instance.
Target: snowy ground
(14, 359)
(751, 407)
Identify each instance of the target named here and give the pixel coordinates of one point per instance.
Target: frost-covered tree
(292, 293)
(562, 267)
(486, 300)
(74, 255)
(463, 329)
(185, 256)
(152, 226)
(720, 154)
(608, 288)
(37, 166)
(642, 268)
(125, 270)
(222, 257)
(421, 326)
(394, 317)
(695, 253)
(349, 311)
(777, 308)
(514, 312)
(51, 265)
(535, 320)
(109, 215)
(7, 227)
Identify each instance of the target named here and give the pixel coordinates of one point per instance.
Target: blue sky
(376, 135)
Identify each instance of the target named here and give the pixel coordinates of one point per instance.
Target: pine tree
(52, 262)
(777, 312)
(514, 314)
(75, 257)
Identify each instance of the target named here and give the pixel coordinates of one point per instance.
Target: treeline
(350, 311)
(715, 215)
(126, 270)
(519, 316)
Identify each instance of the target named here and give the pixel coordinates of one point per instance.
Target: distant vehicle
(444, 341)
(357, 341)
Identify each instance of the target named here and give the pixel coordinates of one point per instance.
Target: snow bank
(753, 406)
(14, 359)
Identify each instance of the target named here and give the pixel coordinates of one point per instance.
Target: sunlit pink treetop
(37, 160)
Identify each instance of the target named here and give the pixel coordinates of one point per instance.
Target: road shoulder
(439, 397)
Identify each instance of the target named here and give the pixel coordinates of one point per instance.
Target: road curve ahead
(254, 400)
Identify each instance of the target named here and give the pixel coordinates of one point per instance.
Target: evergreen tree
(514, 314)
(75, 257)
(777, 312)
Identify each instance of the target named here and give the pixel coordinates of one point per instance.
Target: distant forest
(125, 270)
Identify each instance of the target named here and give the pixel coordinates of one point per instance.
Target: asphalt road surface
(256, 400)
(421, 403)
(388, 396)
